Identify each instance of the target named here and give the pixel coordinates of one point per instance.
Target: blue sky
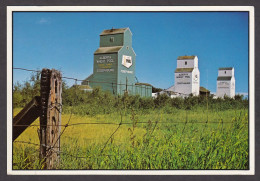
(67, 40)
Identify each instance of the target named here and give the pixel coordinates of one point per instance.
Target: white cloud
(43, 21)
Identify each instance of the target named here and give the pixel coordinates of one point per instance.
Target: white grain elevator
(187, 75)
(226, 82)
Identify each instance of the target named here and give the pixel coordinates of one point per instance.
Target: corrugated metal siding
(143, 90)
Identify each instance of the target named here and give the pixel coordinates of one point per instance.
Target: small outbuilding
(204, 91)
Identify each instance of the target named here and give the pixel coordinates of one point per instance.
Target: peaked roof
(172, 88)
(168, 92)
(224, 78)
(186, 57)
(203, 89)
(108, 49)
(183, 70)
(113, 31)
(139, 83)
(226, 68)
(86, 80)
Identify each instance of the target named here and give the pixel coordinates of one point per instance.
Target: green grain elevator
(114, 65)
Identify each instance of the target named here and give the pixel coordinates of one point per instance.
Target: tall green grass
(173, 139)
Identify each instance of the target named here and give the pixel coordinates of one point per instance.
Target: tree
(154, 89)
(24, 93)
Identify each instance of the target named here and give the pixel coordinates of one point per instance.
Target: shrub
(161, 100)
(177, 102)
(147, 103)
(101, 102)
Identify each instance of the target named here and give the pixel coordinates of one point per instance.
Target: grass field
(178, 140)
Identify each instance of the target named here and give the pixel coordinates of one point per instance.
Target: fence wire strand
(29, 70)
(81, 80)
(125, 123)
(50, 148)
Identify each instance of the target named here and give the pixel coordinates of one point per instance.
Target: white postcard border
(250, 9)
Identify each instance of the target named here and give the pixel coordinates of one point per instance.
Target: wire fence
(118, 124)
(142, 89)
(75, 79)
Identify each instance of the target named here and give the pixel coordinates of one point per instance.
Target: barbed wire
(122, 123)
(128, 123)
(113, 133)
(27, 142)
(84, 80)
(58, 139)
(50, 149)
(29, 70)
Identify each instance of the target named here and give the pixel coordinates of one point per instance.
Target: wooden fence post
(50, 118)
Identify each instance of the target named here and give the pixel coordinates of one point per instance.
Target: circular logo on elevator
(196, 77)
(127, 61)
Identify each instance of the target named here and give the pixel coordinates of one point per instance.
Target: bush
(147, 103)
(100, 102)
(24, 93)
(177, 102)
(161, 100)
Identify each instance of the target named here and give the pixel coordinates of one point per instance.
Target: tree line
(101, 102)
